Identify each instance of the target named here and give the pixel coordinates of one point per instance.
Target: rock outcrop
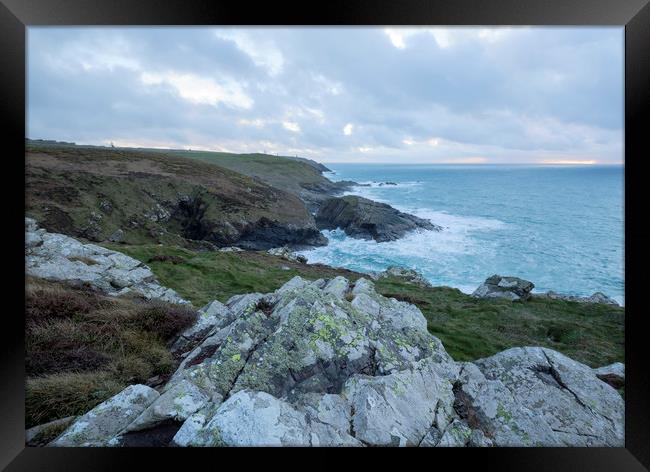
(366, 219)
(408, 275)
(613, 374)
(54, 256)
(597, 297)
(328, 363)
(510, 288)
(285, 253)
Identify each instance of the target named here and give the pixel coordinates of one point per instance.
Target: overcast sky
(427, 95)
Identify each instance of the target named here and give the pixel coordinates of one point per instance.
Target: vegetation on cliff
(140, 197)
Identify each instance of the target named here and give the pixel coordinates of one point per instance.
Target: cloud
(337, 94)
(291, 126)
(263, 53)
(199, 90)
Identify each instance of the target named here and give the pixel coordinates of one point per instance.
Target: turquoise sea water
(560, 227)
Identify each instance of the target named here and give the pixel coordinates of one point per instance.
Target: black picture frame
(634, 15)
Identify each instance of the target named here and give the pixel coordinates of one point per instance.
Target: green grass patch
(209, 275)
(472, 328)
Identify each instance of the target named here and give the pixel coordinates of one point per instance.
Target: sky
(383, 94)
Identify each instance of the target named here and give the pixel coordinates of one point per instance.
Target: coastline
(475, 235)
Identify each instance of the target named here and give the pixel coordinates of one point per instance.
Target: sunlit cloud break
(569, 162)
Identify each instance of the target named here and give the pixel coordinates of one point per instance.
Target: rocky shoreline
(331, 363)
(134, 196)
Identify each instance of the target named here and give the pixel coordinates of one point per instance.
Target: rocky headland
(363, 218)
(133, 197)
(197, 200)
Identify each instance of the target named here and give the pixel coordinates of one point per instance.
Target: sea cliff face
(134, 197)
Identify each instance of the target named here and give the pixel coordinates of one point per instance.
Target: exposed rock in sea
(408, 275)
(367, 219)
(54, 256)
(332, 363)
(510, 288)
(285, 253)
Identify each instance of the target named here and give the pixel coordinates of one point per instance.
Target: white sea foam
(442, 257)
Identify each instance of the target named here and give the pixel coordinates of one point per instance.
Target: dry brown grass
(82, 345)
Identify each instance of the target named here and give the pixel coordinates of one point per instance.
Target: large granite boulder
(55, 256)
(510, 288)
(329, 363)
(367, 219)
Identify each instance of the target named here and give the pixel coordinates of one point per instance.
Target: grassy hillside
(469, 328)
(299, 176)
(92, 192)
(281, 172)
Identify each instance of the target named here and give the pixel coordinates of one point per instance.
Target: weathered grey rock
(58, 257)
(510, 288)
(399, 409)
(259, 419)
(597, 297)
(230, 249)
(308, 339)
(338, 287)
(613, 374)
(366, 219)
(211, 317)
(285, 253)
(560, 393)
(193, 433)
(456, 434)
(408, 275)
(488, 405)
(294, 284)
(178, 402)
(102, 425)
(36, 435)
(323, 364)
(117, 236)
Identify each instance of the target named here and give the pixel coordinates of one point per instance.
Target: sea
(561, 227)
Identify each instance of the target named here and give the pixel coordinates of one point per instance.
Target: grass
(472, 328)
(469, 328)
(151, 197)
(82, 347)
(279, 171)
(206, 276)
